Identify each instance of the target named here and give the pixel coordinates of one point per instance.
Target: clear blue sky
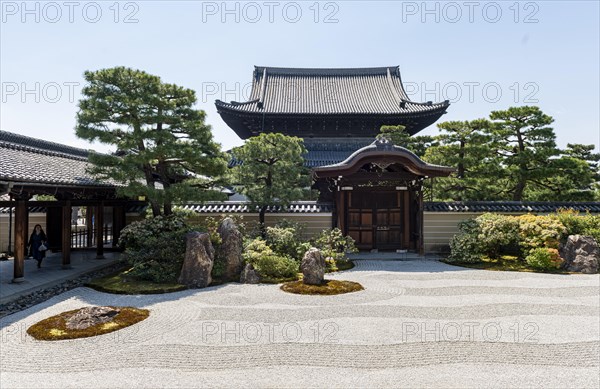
(542, 50)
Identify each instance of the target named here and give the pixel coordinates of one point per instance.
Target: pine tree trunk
(168, 208)
(522, 180)
(261, 221)
(519, 189)
(155, 208)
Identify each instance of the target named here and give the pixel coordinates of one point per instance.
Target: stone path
(416, 324)
(51, 272)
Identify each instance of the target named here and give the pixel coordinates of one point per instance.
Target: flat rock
(91, 316)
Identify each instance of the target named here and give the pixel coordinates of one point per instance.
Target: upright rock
(313, 267)
(581, 254)
(230, 250)
(249, 275)
(198, 262)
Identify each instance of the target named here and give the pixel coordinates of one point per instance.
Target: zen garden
(339, 243)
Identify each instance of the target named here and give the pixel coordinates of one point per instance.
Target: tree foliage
(165, 151)
(465, 145)
(418, 144)
(511, 156)
(526, 143)
(271, 171)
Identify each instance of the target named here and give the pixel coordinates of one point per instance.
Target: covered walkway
(32, 167)
(51, 273)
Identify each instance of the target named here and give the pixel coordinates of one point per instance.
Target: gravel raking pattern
(406, 319)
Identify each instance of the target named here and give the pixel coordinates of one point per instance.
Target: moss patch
(504, 263)
(122, 283)
(330, 287)
(54, 328)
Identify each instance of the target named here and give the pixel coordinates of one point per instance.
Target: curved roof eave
(381, 148)
(427, 110)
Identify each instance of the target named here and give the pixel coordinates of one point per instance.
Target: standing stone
(249, 275)
(198, 262)
(91, 316)
(581, 254)
(313, 267)
(230, 250)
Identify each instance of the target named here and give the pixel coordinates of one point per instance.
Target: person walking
(37, 244)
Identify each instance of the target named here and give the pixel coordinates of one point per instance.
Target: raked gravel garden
(417, 323)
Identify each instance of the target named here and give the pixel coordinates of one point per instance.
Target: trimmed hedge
(534, 239)
(267, 263)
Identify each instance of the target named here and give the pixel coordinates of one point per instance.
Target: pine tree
(271, 171)
(165, 151)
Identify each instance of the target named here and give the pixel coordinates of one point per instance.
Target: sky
(482, 56)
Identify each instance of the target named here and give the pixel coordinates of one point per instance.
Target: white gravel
(417, 324)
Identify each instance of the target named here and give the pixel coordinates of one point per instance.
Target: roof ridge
(509, 206)
(381, 70)
(21, 147)
(7, 137)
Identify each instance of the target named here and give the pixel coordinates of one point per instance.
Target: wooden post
(26, 228)
(100, 230)
(10, 229)
(20, 240)
(118, 223)
(342, 211)
(66, 234)
(420, 221)
(406, 228)
(89, 212)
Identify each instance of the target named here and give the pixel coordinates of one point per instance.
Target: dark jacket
(35, 241)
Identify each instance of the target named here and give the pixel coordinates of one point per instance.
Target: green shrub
(465, 246)
(576, 224)
(284, 241)
(492, 235)
(539, 231)
(286, 238)
(301, 250)
(330, 264)
(267, 263)
(299, 228)
(135, 235)
(496, 233)
(593, 232)
(160, 258)
(218, 269)
(543, 258)
(333, 244)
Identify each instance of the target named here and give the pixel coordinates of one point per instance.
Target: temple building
(375, 188)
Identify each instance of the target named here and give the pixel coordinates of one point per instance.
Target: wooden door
(375, 219)
(388, 221)
(360, 219)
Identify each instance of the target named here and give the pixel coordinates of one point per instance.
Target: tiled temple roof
(330, 91)
(30, 160)
(131, 208)
(327, 103)
(326, 151)
(384, 147)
